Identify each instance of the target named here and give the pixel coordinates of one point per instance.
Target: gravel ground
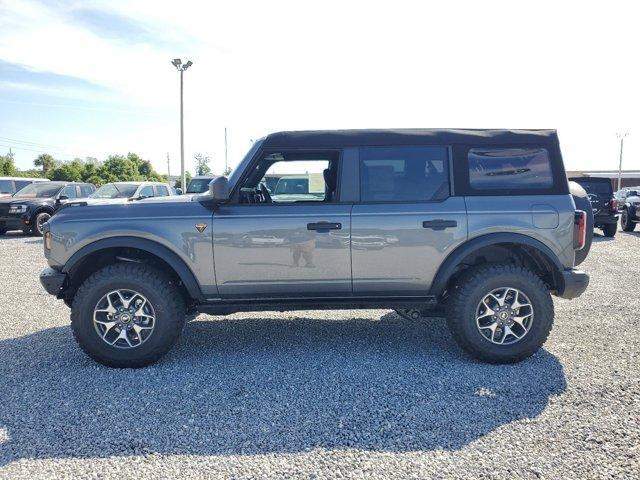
(324, 394)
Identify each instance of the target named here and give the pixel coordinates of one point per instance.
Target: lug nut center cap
(125, 318)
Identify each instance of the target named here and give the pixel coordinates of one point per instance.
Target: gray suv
(479, 221)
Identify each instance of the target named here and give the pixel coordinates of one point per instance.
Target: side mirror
(219, 189)
(61, 198)
(178, 191)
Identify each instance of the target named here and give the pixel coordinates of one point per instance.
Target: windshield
(292, 186)
(596, 187)
(237, 172)
(39, 190)
(111, 190)
(198, 185)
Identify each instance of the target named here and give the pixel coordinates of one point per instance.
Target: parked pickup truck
(480, 221)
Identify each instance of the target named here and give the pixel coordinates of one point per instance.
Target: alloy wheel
(504, 316)
(124, 318)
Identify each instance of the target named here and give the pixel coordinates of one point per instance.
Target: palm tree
(45, 161)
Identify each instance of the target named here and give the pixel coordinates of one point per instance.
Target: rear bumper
(575, 283)
(605, 219)
(52, 280)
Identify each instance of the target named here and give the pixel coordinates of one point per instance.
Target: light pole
(176, 62)
(621, 137)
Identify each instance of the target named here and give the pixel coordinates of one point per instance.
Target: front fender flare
(451, 263)
(173, 260)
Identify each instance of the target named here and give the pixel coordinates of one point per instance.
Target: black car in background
(29, 208)
(603, 203)
(629, 204)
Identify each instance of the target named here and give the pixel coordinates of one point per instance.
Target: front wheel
(500, 313)
(127, 315)
(626, 223)
(39, 221)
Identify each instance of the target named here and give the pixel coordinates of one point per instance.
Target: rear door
(406, 222)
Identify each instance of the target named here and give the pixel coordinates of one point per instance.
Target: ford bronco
(480, 221)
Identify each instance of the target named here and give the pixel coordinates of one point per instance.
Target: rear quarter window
(509, 169)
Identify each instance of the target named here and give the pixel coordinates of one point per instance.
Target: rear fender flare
(451, 263)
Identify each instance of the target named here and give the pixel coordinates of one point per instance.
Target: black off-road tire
(626, 223)
(469, 290)
(159, 290)
(610, 230)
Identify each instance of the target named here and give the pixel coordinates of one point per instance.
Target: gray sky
(81, 78)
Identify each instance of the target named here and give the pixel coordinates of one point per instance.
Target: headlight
(17, 208)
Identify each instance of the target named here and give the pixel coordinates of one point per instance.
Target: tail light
(613, 205)
(580, 230)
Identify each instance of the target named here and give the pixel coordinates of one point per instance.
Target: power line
(26, 142)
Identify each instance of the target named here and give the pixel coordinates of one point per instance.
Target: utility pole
(181, 68)
(621, 137)
(226, 162)
(168, 168)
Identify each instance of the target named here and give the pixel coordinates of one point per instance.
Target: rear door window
(86, 190)
(509, 169)
(403, 174)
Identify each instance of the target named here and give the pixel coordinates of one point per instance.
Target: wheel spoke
(520, 320)
(497, 299)
(107, 326)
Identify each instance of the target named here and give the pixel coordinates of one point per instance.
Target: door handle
(439, 224)
(324, 226)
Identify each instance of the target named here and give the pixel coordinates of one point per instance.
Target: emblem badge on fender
(201, 226)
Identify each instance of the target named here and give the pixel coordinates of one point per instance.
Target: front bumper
(14, 222)
(52, 280)
(575, 283)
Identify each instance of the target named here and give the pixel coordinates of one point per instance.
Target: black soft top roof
(409, 136)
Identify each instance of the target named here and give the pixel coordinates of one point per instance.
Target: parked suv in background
(629, 204)
(199, 184)
(32, 206)
(603, 203)
(10, 185)
(481, 221)
(132, 190)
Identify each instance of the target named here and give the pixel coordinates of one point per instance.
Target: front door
(285, 234)
(406, 222)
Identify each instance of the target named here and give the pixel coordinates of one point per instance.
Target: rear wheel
(500, 313)
(610, 229)
(625, 221)
(127, 315)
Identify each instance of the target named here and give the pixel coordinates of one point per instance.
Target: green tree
(72, 171)
(227, 171)
(202, 164)
(46, 161)
(7, 165)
